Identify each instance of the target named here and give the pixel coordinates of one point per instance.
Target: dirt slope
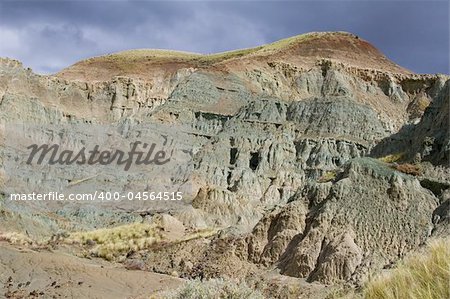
(43, 274)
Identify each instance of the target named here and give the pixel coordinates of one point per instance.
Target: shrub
(421, 276)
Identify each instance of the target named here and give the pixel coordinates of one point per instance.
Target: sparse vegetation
(214, 289)
(422, 104)
(421, 276)
(111, 243)
(343, 292)
(284, 43)
(408, 168)
(15, 238)
(228, 55)
(123, 60)
(266, 49)
(392, 158)
(202, 233)
(328, 177)
(139, 55)
(115, 243)
(417, 107)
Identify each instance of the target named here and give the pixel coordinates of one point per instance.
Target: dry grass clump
(421, 276)
(423, 103)
(408, 168)
(392, 158)
(15, 238)
(117, 242)
(111, 243)
(418, 106)
(328, 177)
(214, 289)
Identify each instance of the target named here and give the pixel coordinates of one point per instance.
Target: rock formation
(279, 154)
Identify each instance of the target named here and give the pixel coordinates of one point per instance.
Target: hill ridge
(301, 50)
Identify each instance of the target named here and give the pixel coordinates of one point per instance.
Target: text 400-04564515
(141, 195)
(145, 195)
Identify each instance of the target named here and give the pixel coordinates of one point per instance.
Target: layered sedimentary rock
(275, 145)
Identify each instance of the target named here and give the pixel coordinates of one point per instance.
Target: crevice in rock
(434, 186)
(320, 257)
(233, 155)
(254, 161)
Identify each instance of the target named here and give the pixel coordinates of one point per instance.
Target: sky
(53, 34)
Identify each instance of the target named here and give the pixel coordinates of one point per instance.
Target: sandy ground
(41, 274)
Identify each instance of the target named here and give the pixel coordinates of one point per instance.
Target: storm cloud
(50, 35)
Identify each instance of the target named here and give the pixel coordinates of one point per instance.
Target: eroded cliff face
(279, 148)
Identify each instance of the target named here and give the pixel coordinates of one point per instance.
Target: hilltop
(302, 51)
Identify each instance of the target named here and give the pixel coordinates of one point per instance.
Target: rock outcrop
(273, 148)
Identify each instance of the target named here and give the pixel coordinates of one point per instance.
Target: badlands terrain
(307, 167)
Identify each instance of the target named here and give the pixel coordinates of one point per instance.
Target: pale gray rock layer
(259, 141)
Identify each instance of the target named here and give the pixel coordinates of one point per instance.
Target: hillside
(305, 167)
(302, 51)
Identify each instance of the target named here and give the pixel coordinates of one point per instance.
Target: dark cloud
(50, 35)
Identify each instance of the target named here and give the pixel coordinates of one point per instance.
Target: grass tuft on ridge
(420, 276)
